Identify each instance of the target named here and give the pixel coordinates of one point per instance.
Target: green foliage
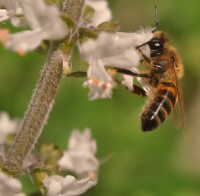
(88, 13)
(58, 3)
(109, 26)
(69, 22)
(87, 33)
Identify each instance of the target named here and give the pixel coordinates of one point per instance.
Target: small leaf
(67, 20)
(88, 13)
(58, 3)
(109, 26)
(86, 33)
(38, 175)
(50, 154)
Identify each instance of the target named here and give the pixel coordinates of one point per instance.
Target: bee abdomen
(157, 110)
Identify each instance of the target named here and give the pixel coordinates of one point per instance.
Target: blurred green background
(163, 162)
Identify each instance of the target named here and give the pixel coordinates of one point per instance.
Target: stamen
(21, 51)
(111, 72)
(4, 36)
(94, 81)
(104, 86)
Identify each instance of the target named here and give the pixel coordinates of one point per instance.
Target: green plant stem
(74, 9)
(43, 97)
(38, 110)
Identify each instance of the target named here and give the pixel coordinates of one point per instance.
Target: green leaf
(88, 13)
(109, 26)
(58, 3)
(68, 20)
(87, 33)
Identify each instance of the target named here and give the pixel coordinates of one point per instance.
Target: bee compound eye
(156, 44)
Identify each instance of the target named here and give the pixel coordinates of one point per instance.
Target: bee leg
(155, 66)
(130, 73)
(138, 91)
(77, 74)
(146, 58)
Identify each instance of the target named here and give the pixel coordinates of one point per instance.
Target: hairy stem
(74, 9)
(43, 97)
(38, 110)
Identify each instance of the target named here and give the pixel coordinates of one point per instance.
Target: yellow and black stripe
(160, 107)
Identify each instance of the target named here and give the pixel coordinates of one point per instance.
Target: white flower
(3, 15)
(45, 23)
(78, 158)
(102, 11)
(99, 81)
(117, 50)
(80, 155)
(12, 8)
(128, 82)
(9, 186)
(111, 49)
(7, 126)
(138, 38)
(67, 186)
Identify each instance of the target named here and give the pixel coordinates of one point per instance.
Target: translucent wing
(179, 110)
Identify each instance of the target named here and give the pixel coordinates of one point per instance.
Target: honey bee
(165, 69)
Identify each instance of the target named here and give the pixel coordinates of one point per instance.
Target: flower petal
(99, 82)
(9, 186)
(12, 7)
(7, 126)
(128, 82)
(44, 21)
(41, 16)
(102, 11)
(3, 15)
(67, 186)
(80, 155)
(25, 41)
(128, 59)
(116, 49)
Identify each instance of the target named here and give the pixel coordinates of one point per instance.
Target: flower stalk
(74, 9)
(38, 109)
(43, 97)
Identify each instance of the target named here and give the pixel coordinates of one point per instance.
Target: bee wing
(179, 110)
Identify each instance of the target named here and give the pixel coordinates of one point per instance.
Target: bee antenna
(156, 19)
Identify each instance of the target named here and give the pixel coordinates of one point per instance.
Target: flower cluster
(7, 126)
(67, 186)
(110, 49)
(80, 155)
(107, 49)
(102, 12)
(115, 50)
(43, 20)
(80, 159)
(8, 186)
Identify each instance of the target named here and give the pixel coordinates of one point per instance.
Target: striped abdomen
(158, 109)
